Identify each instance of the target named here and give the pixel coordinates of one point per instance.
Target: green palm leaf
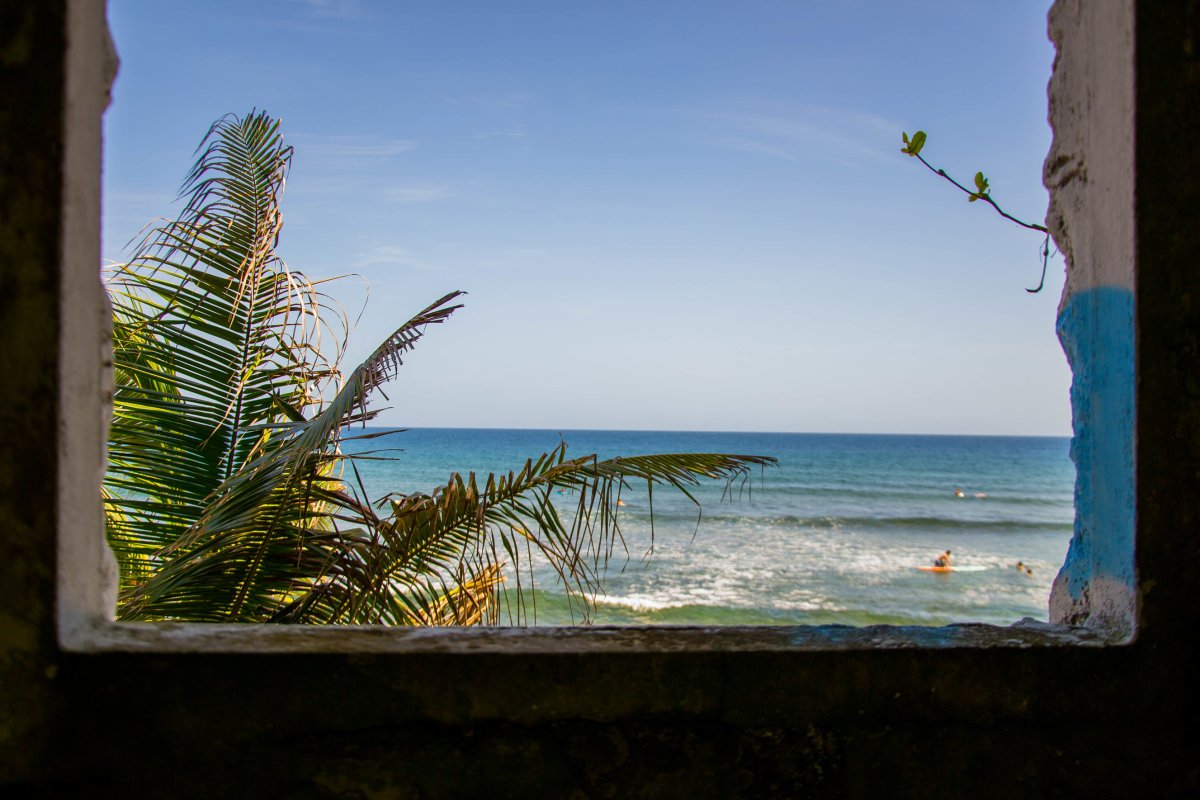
(430, 540)
(210, 329)
(278, 510)
(224, 496)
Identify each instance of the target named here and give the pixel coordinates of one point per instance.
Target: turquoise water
(834, 534)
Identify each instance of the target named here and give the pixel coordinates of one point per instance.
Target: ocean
(833, 535)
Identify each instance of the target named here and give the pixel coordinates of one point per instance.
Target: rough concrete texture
(1097, 586)
(165, 637)
(1167, 310)
(1089, 169)
(86, 592)
(1032, 711)
(1090, 174)
(32, 40)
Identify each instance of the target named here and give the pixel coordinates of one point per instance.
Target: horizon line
(692, 430)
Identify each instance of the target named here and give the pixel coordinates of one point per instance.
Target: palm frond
(272, 502)
(211, 331)
(428, 540)
(224, 496)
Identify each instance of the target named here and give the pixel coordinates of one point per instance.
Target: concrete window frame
(1090, 172)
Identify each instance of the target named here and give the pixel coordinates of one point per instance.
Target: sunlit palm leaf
(429, 540)
(263, 528)
(211, 334)
(223, 497)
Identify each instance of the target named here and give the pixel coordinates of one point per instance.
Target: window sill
(115, 637)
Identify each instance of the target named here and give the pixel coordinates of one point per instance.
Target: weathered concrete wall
(1090, 174)
(32, 45)
(959, 711)
(1167, 200)
(87, 591)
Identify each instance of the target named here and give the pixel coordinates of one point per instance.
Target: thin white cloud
(755, 147)
(326, 17)
(417, 194)
(496, 100)
(797, 132)
(393, 256)
(515, 132)
(351, 9)
(450, 257)
(361, 147)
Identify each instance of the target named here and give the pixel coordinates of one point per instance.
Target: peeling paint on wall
(1089, 172)
(1097, 584)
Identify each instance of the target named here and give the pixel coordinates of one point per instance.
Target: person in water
(943, 560)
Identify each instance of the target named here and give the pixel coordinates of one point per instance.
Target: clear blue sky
(668, 215)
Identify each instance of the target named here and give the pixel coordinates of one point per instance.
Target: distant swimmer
(943, 560)
(980, 495)
(620, 502)
(1021, 566)
(958, 492)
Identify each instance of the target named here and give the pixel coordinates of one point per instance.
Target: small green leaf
(981, 183)
(918, 141)
(972, 198)
(913, 146)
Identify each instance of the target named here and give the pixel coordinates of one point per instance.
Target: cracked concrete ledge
(167, 637)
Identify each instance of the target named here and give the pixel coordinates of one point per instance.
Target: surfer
(943, 560)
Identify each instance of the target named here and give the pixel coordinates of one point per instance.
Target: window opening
(719, 509)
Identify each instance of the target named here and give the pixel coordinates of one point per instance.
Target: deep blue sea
(833, 534)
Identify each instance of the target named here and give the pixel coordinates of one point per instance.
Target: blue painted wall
(1096, 330)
